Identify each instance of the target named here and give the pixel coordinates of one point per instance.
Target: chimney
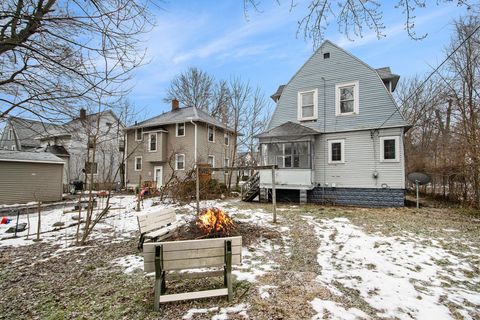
(175, 104)
(83, 114)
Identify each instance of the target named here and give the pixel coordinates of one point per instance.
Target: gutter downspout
(125, 152)
(195, 151)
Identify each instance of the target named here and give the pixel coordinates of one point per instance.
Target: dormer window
(308, 105)
(346, 98)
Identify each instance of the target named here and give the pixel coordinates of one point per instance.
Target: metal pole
(416, 183)
(274, 196)
(198, 188)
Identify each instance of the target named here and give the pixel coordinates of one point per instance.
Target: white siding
(362, 158)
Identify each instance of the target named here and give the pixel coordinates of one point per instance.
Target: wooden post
(274, 196)
(28, 223)
(198, 188)
(39, 220)
(139, 191)
(228, 269)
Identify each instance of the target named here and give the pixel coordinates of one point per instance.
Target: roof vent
(326, 55)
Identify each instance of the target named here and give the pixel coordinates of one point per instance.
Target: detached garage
(30, 176)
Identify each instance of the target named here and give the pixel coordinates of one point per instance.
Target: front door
(158, 176)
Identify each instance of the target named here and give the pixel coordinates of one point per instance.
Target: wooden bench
(190, 254)
(157, 225)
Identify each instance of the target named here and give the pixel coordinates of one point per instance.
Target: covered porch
(290, 146)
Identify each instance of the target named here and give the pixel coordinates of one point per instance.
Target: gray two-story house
(336, 134)
(170, 144)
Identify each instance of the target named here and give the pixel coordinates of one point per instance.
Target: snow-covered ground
(402, 277)
(119, 224)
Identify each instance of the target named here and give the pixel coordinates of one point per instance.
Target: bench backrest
(156, 220)
(192, 254)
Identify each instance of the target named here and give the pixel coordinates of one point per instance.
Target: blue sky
(263, 49)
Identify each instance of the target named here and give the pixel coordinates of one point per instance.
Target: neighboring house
(173, 142)
(30, 176)
(73, 142)
(336, 134)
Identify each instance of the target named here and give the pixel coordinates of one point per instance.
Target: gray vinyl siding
(376, 103)
(22, 182)
(362, 158)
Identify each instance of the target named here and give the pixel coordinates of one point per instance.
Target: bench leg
(141, 241)
(228, 269)
(164, 284)
(159, 277)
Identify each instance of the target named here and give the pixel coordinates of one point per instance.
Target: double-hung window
(179, 162)
(139, 134)
(152, 142)
(346, 98)
(336, 151)
(227, 139)
(389, 149)
(180, 129)
(307, 105)
(211, 161)
(138, 163)
(211, 133)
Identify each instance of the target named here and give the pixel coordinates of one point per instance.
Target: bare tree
(55, 54)
(192, 88)
(353, 17)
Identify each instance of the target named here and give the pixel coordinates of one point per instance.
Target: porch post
(274, 196)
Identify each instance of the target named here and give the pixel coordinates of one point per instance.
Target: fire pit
(215, 223)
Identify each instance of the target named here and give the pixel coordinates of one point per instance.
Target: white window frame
(150, 140)
(356, 110)
(226, 163)
(208, 133)
(315, 105)
(226, 139)
(176, 161)
(135, 164)
(330, 142)
(213, 162)
(176, 129)
(13, 148)
(397, 148)
(141, 135)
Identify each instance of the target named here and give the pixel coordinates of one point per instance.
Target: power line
(430, 75)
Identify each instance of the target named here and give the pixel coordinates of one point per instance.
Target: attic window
(326, 55)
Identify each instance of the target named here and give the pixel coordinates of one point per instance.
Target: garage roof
(20, 156)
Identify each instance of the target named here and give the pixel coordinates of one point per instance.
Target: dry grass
(83, 284)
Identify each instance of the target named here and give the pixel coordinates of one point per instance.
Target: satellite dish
(419, 177)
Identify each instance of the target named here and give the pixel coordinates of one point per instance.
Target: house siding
(176, 145)
(362, 158)
(22, 182)
(376, 103)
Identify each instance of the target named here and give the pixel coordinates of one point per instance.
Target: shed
(30, 176)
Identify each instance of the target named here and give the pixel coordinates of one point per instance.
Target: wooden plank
(162, 231)
(192, 244)
(193, 295)
(148, 225)
(158, 220)
(149, 266)
(194, 254)
(160, 212)
(156, 216)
